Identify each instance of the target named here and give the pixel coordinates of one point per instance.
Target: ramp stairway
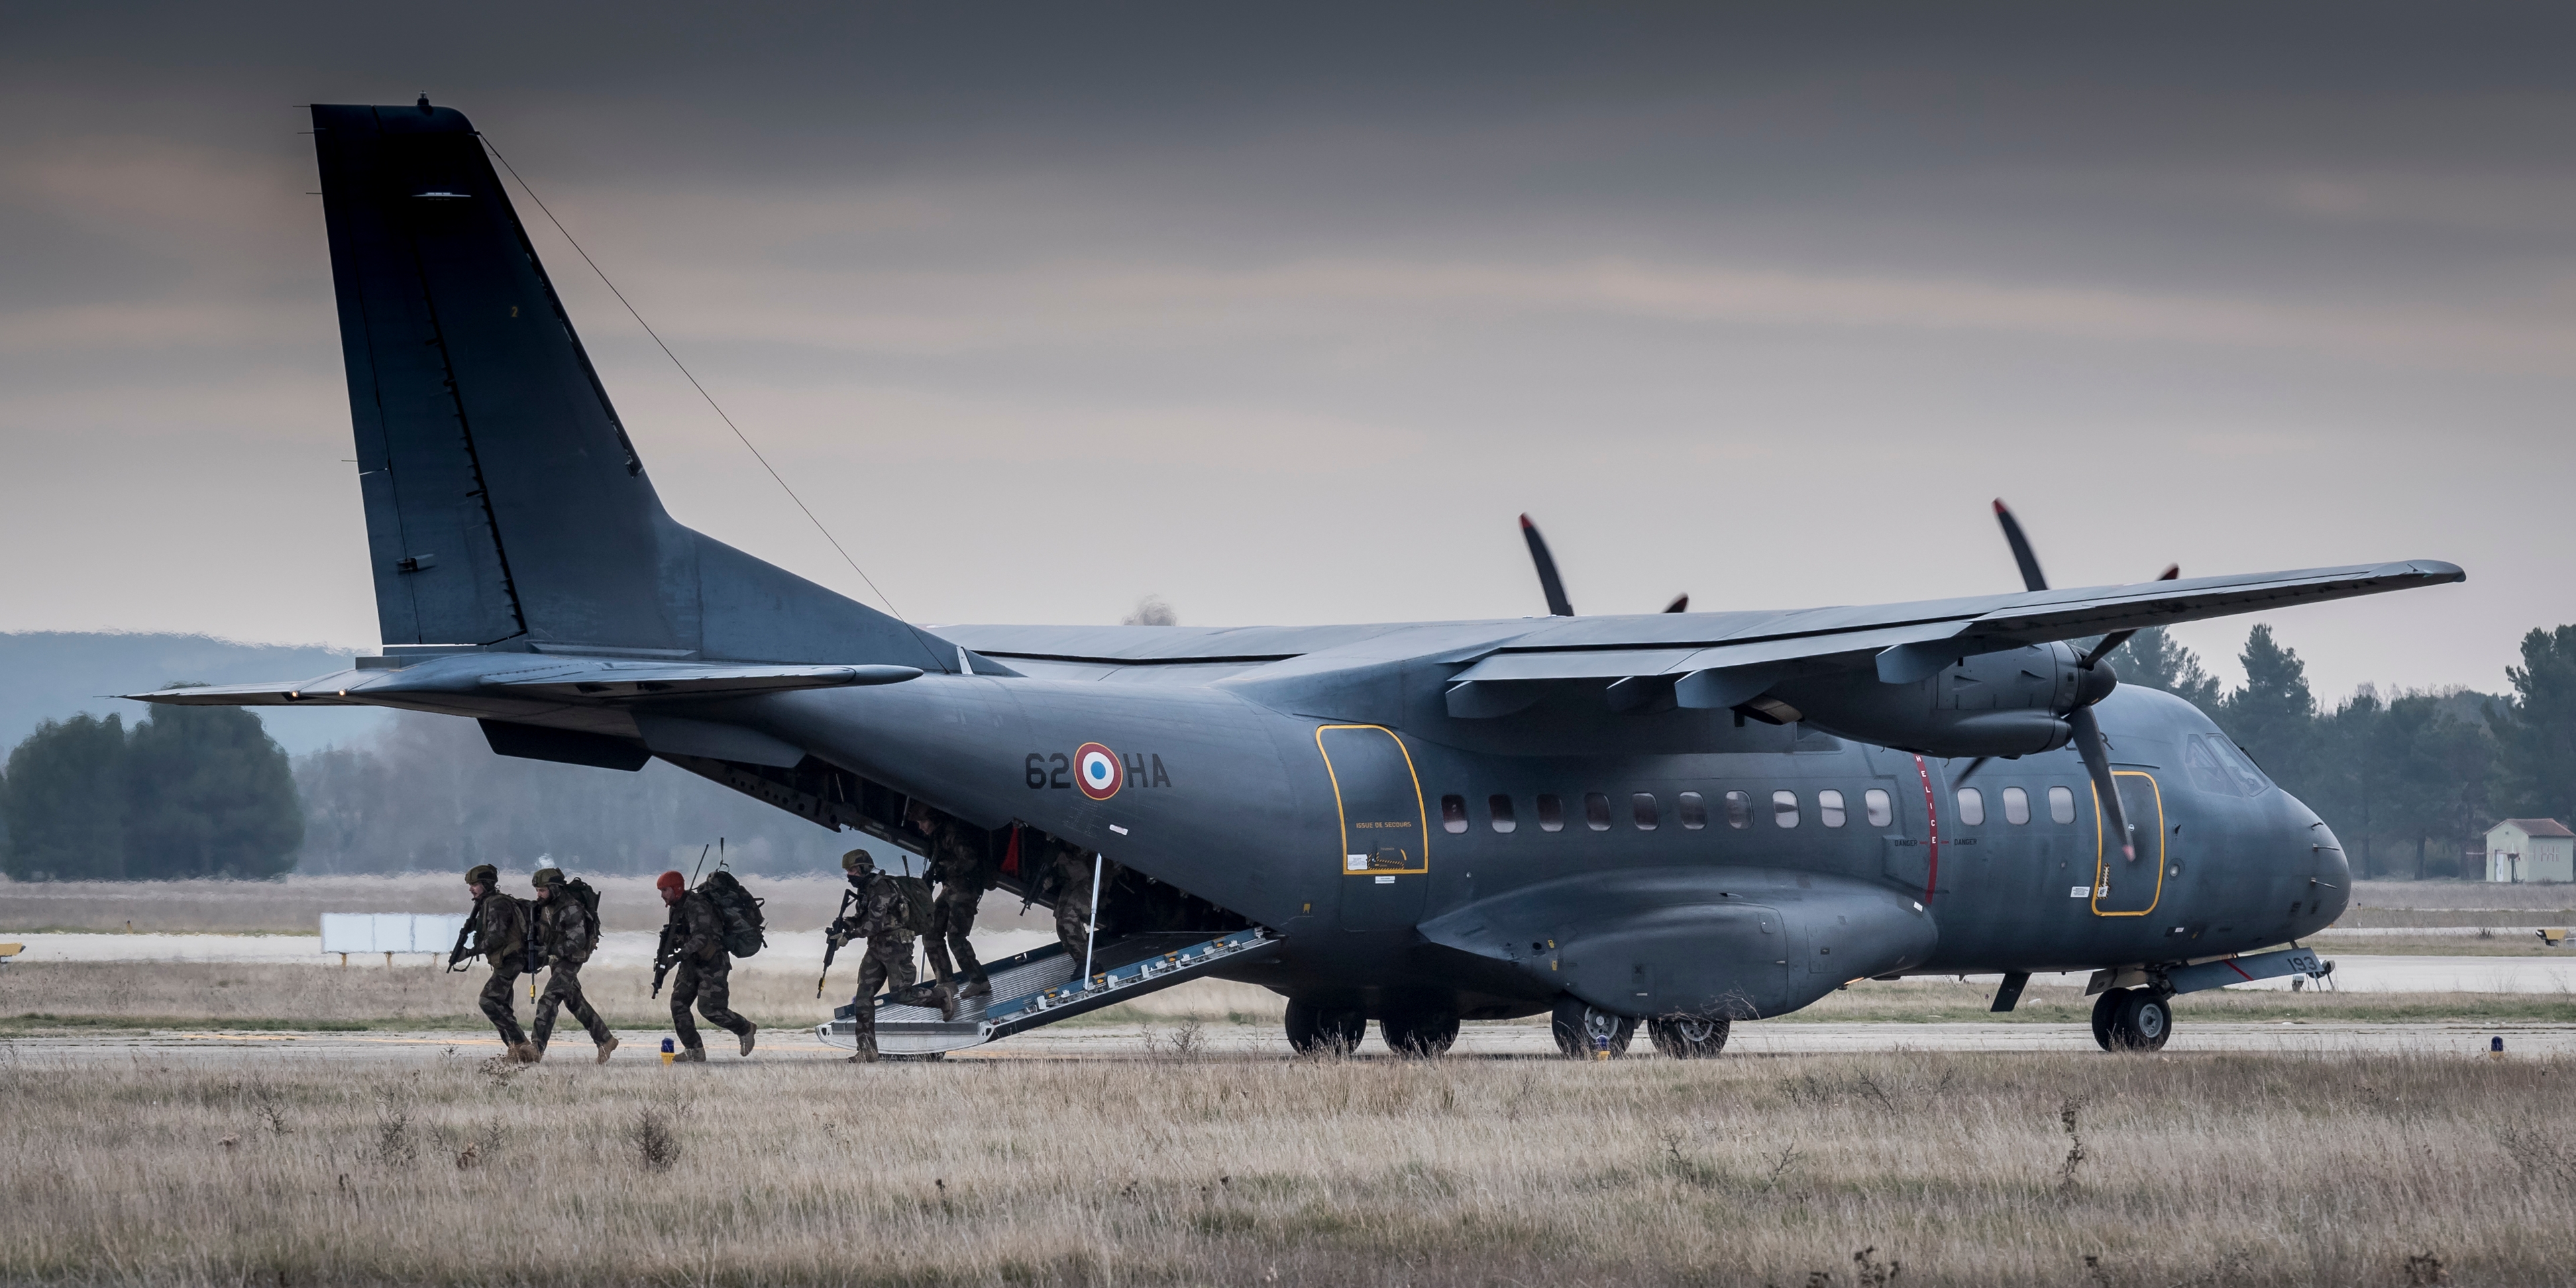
(1042, 986)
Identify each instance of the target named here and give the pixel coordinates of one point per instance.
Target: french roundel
(1096, 770)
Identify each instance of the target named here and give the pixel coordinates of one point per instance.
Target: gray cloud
(1294, 309)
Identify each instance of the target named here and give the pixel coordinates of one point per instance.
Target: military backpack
(916, 903)
(736, 911)
(581, 890)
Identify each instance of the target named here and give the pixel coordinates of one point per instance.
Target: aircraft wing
(1906, 642)
(529, 677)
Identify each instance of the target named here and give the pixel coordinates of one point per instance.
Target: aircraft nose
(2323, 861)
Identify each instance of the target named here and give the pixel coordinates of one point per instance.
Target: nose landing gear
(2132, 1019)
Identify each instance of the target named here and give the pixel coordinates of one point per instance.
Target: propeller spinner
(2097, 684)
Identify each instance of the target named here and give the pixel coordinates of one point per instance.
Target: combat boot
(748, 1029)
(693, 1055)
(606, 1045)
(867, 1052)
(979, 986)
(946, 994)
(526, 1052)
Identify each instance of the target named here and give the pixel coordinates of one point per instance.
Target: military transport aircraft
(1680, 818)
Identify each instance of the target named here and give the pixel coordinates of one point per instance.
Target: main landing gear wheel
(1688, 1037)
(1325, 1028)
(1576, 1025)
(1424, 1031)
(2132, 1019)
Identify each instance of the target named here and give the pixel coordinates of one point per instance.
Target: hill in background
(54, 675)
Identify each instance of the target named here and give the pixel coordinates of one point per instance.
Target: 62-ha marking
(1097, 770)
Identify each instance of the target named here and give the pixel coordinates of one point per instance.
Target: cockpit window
(2240, 765)
(2202, 764)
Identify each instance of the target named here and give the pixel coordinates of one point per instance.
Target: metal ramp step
(1040, 987)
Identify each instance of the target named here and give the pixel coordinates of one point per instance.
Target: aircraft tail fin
(506, 507)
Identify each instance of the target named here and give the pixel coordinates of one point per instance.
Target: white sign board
(390, 932)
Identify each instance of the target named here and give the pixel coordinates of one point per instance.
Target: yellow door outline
(1421, 820)
(2102, 852)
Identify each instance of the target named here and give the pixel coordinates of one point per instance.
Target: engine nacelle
(2011, 703)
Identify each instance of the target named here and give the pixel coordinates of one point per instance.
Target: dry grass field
(1915, 1169)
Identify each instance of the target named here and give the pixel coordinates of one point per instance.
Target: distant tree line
(2410, 780)
(190, 792)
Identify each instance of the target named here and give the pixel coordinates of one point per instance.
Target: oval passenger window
(1880, 813)
(2061, 805)
(1551, 813)
(1453, 813)
(1972, 806)
(1739, 810)
(2016, 806)
(1784, 808)
(1694, 811)
(1596, 811)
(1829, 807)
(1501, 808)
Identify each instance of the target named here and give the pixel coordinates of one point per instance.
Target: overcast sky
(1285, 315)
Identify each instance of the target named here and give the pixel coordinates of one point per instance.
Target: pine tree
(2151, 659)
(64, 801)
(2535, 732)
(209, 794)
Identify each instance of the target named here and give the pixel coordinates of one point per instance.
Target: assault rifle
(834, 936)
(666, 953)
(464, 937)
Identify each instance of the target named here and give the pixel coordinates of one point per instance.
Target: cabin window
(1642, 808)
(1551, 813)
(1829, 808)
(1694, 811)
(1972, 806)
(1501, 809)
(1784, 809)
(1739, 810)
(2016, 806)
(1596, 811)
(1881, 812)
(1453, 813)
(2061, 805)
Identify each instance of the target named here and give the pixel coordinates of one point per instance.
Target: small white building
(2531, 849)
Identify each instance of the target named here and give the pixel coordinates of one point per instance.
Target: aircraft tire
(2144, 1021)
(1575, 1024)
(1429, 1031)
(2106, 1008)
(1689, 1037)
(1323, 1028)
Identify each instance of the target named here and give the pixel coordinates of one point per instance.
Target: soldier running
(963, 871)
(565, 937)
(501, 934)
(881, 920)
(705, 972)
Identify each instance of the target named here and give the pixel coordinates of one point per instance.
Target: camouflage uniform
(501, 932)
(704, 975)
(886, 960)
(959, 867)
(1071, 879)
(564, 940)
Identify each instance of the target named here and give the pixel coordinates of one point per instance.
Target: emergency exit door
(1385, 858)
(2122, 888)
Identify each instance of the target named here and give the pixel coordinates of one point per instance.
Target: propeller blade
(2117, 638)
(2097, 762)
(1548, 581)
(2031, 577)
(1680, 604)
(1971, 771)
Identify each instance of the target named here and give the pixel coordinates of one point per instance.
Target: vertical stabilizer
(505, 505)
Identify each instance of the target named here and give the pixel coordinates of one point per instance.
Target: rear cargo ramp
(1043, 985)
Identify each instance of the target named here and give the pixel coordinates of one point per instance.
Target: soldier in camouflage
(963, 871)
(886, 963)
(705, 973)
(1069, 878)
(564, 936)
(501, 933)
